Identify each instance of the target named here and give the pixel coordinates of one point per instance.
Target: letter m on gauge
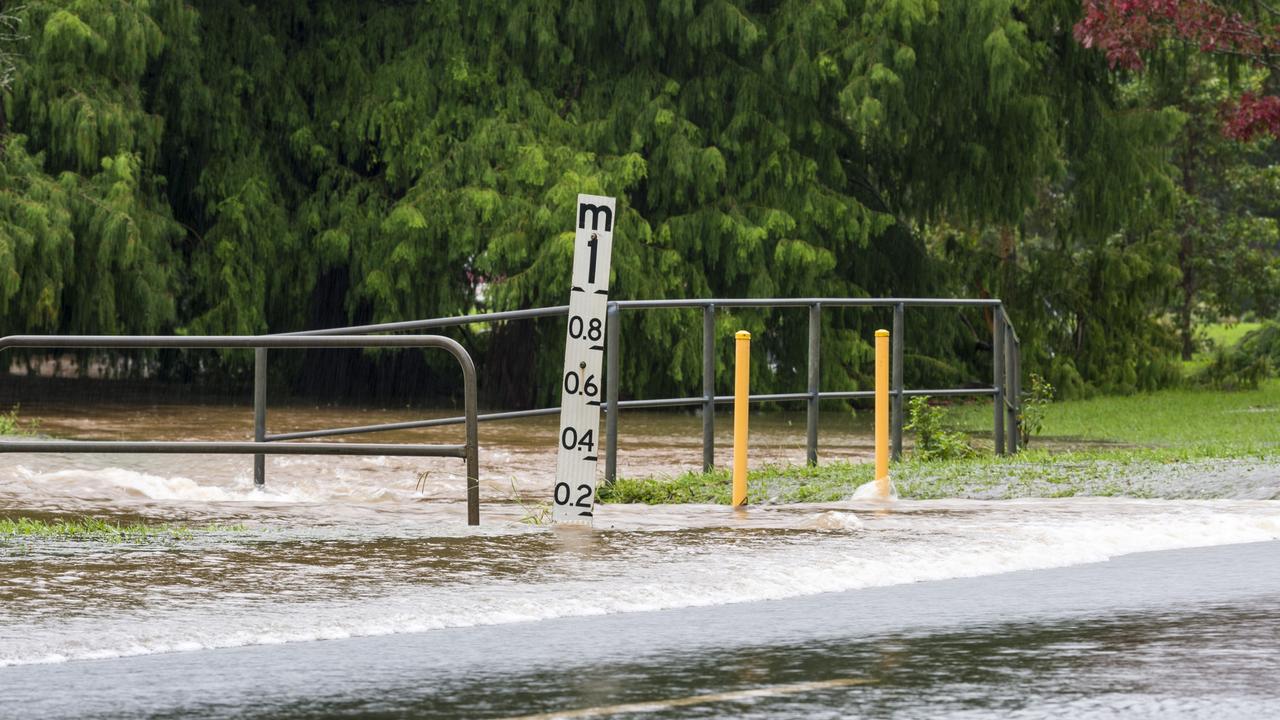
(579, 445)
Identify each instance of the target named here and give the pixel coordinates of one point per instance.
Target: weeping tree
(226, 167)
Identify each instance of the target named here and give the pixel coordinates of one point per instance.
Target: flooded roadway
(353, 588)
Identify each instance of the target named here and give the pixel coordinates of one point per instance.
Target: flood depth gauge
(574, 494)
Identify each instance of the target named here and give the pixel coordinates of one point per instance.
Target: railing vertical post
(1017, 387)
(815, 354)
(1011, 390)
(611, 391)
(708, 387)
(896, 341)
(997, 363)
(259, 414)
(471, 409)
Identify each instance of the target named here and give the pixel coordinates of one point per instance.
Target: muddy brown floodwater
(352, 587)
(519, 453)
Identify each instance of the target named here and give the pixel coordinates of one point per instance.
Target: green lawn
(1222, 336)
(1241, 421)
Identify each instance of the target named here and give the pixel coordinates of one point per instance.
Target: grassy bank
(1174, 443)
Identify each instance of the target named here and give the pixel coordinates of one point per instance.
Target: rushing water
(375, 560)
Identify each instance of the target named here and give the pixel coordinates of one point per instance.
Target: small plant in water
(537, 513)
(933, 440)
(10, 424)
(1034, 403)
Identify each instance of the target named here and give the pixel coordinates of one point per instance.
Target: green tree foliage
(225, 167)
(1227, 199)
(86, 238)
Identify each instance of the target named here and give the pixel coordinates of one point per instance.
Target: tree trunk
(1188, 287)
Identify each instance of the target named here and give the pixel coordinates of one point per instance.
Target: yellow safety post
(741, 391)
(882, 413)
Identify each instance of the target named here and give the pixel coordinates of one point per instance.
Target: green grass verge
(1136, 473)
(1187, 443)
(98, 530)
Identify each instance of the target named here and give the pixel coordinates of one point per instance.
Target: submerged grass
(771, 484)
(1142, 473)
(1185, 443)
(99, 530)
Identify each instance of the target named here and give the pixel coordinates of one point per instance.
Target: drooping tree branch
(10, 34)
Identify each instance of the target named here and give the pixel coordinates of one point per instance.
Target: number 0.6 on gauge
(580, 383)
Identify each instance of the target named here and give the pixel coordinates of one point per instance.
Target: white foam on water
(324, 484)
(871, 491)
(857, 550)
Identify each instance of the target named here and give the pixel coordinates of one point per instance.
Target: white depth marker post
(574, 494)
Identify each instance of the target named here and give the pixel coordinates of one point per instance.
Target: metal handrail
(1005, 388)
(469, 451)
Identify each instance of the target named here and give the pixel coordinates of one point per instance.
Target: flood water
(352, 587)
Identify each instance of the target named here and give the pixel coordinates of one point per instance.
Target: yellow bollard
(882, 413)
(741, 391)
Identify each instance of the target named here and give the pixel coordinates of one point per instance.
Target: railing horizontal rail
(806, 302)
(622, 405)
(557, 310)
(231, 448)
(228, 342)
(410, 424)
(530, 314)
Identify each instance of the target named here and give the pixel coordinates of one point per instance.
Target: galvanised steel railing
(262, 445)
(1005, 390)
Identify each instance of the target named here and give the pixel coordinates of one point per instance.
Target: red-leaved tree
(1126, 30)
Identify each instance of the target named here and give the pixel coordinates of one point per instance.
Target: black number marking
(574, 382)
(591, 266)
(594, 329)
(570, 439)
(565, 499)
(583, 500)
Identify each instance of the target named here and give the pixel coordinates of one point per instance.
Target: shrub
(1234, 369)
(933, 440)
(1034, 402)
